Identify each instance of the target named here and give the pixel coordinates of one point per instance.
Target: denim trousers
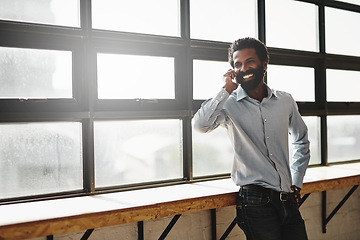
(264, 217)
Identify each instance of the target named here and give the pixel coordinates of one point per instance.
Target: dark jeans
(265, 217)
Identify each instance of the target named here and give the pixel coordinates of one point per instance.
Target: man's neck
(259, 93)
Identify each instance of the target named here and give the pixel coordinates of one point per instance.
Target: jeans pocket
(253, 199)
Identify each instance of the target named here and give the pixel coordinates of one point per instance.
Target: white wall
(345, 225)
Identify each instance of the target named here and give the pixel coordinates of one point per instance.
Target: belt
(282, 196)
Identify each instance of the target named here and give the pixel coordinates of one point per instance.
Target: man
(259, 121)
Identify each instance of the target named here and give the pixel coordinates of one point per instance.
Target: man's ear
(265, 65)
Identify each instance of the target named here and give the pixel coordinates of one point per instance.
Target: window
(35, 73)
(40, 158)
(53, 12)
(129, 77)
(215, 19)
(340, 39)
(159, 17)
(341, 85)
(292, 25)
(98, 95)
(298, 81)
(137, 151)
(207, 77)
(212, 153)
(343, 138)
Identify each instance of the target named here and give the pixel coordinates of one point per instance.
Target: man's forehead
(245, 54)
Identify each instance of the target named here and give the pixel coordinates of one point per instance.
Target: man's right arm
(210, 115)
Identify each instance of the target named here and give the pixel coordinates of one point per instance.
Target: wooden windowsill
(43, 218)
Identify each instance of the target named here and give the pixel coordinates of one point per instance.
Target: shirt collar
(241, 94)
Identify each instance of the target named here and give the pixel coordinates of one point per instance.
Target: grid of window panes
(99, 95)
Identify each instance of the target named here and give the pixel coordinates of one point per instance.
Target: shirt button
(265, 120)
(267, 137)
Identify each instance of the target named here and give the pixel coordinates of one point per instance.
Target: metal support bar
(228, 230)
(169, 227)
(303, 199)
(87, 234)
(140, 230)
(50, 237)
(337, 208)
(323, 211)
(213, 223)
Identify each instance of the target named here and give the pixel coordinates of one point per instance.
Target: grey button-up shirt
(259, 132)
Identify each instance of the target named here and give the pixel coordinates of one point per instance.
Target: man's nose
(243, 68)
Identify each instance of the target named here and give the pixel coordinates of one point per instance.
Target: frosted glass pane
(291, 25)
(207, 77)
(342, 85)
(137, 151)
(40, 158)
(298, 81)
(159, 17)
(130, 77)
(34, 73)
(341, 34)
(53, 12)
(343, 138)
(223, 20)
(212, 153)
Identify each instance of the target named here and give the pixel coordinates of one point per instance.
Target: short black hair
(248, 42)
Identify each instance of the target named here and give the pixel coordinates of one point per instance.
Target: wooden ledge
(320, 179)
(36, 219)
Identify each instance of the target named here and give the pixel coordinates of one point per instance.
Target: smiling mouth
(246, 77)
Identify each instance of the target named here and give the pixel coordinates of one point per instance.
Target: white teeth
(248, 76)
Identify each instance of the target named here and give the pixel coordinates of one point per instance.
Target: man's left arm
(301, 146)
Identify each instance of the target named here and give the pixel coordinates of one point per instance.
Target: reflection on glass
(137, 151)
(212, 153)
(343, 138)
(340, 39)
(313, 124)
(159, 17)
(217, 19)
(298, 81)
(130, 77)
(34, 73)
(40, 158)
(53, 12)
(207, 78)
(292, 25)
(342, 85)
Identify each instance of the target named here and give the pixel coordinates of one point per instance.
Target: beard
(258, 76)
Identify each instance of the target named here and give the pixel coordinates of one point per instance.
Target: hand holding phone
(230, 84)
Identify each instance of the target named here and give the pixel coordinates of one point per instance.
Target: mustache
(240, 75)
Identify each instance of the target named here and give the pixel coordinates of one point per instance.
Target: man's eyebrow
(246, 60)
(250, 58)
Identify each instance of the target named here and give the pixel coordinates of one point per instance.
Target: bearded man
(259, 121)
